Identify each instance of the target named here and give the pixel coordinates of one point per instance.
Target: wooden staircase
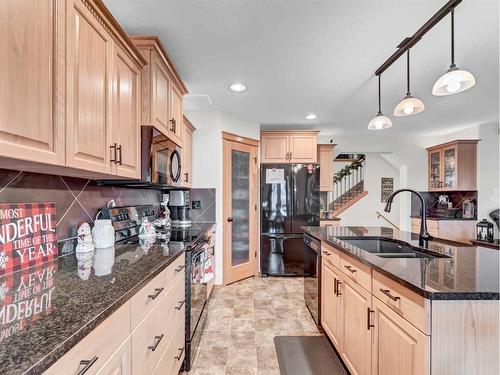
(349, 187)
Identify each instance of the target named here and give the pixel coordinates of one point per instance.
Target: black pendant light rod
(408, 73)
(452, 39)
(409, 42)
(379, 106)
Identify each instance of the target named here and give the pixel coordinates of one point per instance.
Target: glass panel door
(240, 207)
(450, 168)
(435, 169)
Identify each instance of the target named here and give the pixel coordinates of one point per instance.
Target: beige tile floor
(244, 318)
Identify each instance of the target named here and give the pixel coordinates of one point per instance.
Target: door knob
(229, 219)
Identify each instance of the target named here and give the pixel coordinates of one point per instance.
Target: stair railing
(348, 182)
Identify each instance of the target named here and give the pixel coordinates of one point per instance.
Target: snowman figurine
(85, 241)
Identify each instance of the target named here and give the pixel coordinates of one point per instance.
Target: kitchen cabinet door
(120, 363)
(435, 170)
(356, 335)
(449, 155)
(161, 92)
(274, 148)
(331, 304)
(89, 95)
(187, 154)
(398, 347)
(175, 131)
(303, 148)
(325, 158)
(126, 122)
(32, 81)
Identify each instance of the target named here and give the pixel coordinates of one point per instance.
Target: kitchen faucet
(424, 235)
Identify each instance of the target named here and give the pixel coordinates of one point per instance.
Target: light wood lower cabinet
(454, 230)
(356, 333)
(137, 338)
(398, 347)
(331, 305)
(121, 361)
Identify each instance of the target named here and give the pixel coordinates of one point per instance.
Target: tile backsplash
(457, 198)
(76, 199)
(207, 202)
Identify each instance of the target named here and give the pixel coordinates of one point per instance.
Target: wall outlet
(196, 205)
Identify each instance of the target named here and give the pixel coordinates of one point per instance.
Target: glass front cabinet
(453, 166)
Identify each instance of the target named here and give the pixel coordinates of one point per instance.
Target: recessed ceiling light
(237, 87)
(311, 116)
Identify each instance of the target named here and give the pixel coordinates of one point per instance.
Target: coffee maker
(180, 208)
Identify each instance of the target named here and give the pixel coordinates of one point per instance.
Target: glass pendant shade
(409, 106)
(453, 81)
(379, 122)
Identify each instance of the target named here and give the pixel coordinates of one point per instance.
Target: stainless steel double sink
(390, 248)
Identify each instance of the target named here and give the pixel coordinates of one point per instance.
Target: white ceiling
(301, 56)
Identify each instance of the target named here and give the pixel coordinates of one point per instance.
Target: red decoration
(27, 235)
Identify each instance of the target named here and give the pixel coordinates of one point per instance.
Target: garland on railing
(348, 169)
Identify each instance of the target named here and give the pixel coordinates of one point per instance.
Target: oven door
(198, 289)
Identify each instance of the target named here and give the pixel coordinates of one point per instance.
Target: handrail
(386, 219)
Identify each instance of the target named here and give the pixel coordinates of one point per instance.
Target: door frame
(227, 140)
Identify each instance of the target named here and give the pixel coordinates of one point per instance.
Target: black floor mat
(307, 355)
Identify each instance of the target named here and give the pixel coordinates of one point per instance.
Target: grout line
(10, 182)
(67, 187)
(67, 210)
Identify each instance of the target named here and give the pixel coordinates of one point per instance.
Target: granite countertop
(49, 308)
(469, 273)
(443, 218)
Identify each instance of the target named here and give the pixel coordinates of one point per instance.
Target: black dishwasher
(312, 283)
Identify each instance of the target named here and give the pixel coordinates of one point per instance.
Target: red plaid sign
(25, 296)
(27, 235)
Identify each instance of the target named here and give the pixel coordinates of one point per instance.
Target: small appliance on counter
(180, 208)
(127, 220)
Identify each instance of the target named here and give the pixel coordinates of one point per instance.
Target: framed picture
(387, 188)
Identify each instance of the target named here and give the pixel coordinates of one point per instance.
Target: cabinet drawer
(152, 336)
(171, 361)
(149, 296)
(409, 305)
(331, 254)
(101, 343)
(357, 271)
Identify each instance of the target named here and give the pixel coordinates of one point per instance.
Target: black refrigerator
(289, 199)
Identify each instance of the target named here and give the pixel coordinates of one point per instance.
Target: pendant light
(380, 121)
(409, 105)
(455, 80)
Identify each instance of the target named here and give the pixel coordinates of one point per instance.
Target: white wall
(364, 211)
(207, 161)
(409, 155)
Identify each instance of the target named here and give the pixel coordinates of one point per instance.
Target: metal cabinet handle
(186, 177)
(114, 160)
(181, 303)
(327, 253)
(156, 343)
(119, 149)
(350, 269)
(156, 293)
(181, 350)
(173, 123)
(368, 322)
(180, 268)
(387, 292)
(335, 285)
(87, 363)
(229, 219)
(338, 289)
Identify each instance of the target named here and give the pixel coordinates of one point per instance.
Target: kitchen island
(392, 307)
(70, 300)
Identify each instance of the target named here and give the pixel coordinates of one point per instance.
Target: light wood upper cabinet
(175, 131)
(289, 147)
(161, 90)
(325, 158)
(331, 303)
(356, 335)
(398, 347)
(126, 121)
(274, 148)
(89, 83)
(32, 80)
(187, 153)
(453, 166)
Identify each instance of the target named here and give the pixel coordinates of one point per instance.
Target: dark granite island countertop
(468, 273)
(48, 309)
